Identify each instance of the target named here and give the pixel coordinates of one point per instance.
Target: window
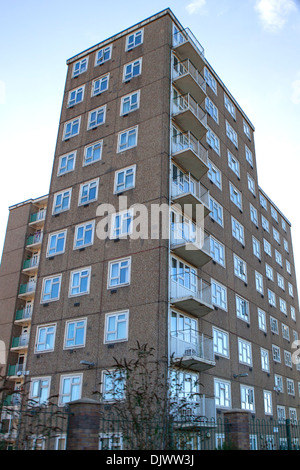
(125, 179)
(84, 235)
(249, 156)
(80, 282)
(88, 192)
(131, 70)
(276, 353)
(290, 386)
(219, 295)
(71, 129)
(268, 402)
(214, 174)
(269, 272)
(280, 281)
(70, 388)
(111, 441)
(242, 308)
(216, 211)
(233, 164)
(51, 289)
(134, 39)
(283, 224)
(274, 214)
(45, 337)
(265, 364)
(288, 267)
(286, 245)
(93, 153)
(271, 298)
(56, 243)
(263, 201)
(278, 258)
(113, 385)
(96, 117)
(103, 55)
(217, 251)
(100, 85)
(251, 185)
(75, 333)
(127, 139)
(267, 247)
(237, 230)
(265, 224)
(285, 332)
(116, 327)
(253, 215)
(122, 223)
(262, 323)
(293, 313)
(210, 80)
(119, 273)
(259, 284)
(240, 268)
(212, 109)
(231, 134)
(276, 235)
(130, 103)
(256, 247)
(274, 325)
(39, 390)
(75, 96)
(245, 352)
(229, 106)
(221, 342)
(247, 130)
(291, 289)
(62, 201)
(288, 359)
(247, 398)
(235, 196)
(213, 141)
(278, 383)
(66, 163)
(222, 393)
(80, 67)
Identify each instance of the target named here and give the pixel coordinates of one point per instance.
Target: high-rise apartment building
(146, 124)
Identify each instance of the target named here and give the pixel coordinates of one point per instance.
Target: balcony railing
(32, 262)
(191, 243)
(28, 288)
(189, 153)
(24, 313)
(192, 349)
(185, 186)
(185, 42)
(200, 412)
(20, 341)
(188, 79)
(191, 293)
(34, 239)
(182, 107)
(16, 369)
(38, 216)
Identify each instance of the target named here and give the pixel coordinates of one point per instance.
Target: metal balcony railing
(182, 103)
(187, 184)
(35, 238)
(189, 234)
(38, 216)
(24, 313)
(186, 141)
(184, 36)
(190, 343)
(27, 288)
(188, 284)
(32, 262)
(20, 341)
(16, 369)
(201, 410)
(187, 68)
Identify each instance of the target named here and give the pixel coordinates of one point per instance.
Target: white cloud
(296, 90)
(195, 6)
(274, 13)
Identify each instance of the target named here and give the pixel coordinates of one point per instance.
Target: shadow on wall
(2, 353)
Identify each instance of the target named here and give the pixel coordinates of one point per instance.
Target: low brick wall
(83, 433)
(237, 429)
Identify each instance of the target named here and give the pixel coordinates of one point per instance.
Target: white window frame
(222, 392)
(96, 117)
(242, 308)
(51, 280)
(240, 268)
(212, 109)
(219, 295)
(85, 190)
(253, 215)
(210, 80)
(119, 231)
(249, 156)
(57, 236)
(213, 141)
(259, 283)
(265, 360)
(90, 152)
(268, 408)
(229, 106)
(216, 208)
(233, 163)
(215, 175)
(117, 377)
(271, 298)
(103, 55)
(38, 398)
(65, 195)
(238, 231)
(128, 172)
(116, 315)
(77, 326)
(127, 100)
(82, 273)
(71, 128)
(76, 96)
(129, 70)
(251, 184)
(100, 85)
(247, 398)
(134, 40)
(84, 227)
(246, 130)
(133, 131)
(256, 247)
(269, 272)
(217, 251)
(48, 331)
(245, 352)
(232, 135)
(127, 265)
(64, 161)
(221, 342)
(235, 196)
(63, 397)
(80, 67)
(262, 321)
(267, 247)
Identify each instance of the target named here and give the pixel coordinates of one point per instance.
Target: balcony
(24, 315)
(191, 243)
(187, 46)
(34, 241)
(189, 115)
(16, 370)
(31, 265)
(20, 342)
(192, 350)
(189, 154)
(191, 294)
(186, 191)
(188, 79)
(37, 219)
(27, 291)
(200, 412)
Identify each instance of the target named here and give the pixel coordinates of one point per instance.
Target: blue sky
(253, 45)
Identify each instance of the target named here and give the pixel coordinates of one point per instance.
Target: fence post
(237, 429)
(288, 434)
(83, 432)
